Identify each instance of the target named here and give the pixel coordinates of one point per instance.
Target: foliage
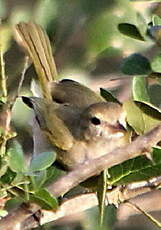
(25, 181)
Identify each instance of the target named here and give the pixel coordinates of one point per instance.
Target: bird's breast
(85, 150)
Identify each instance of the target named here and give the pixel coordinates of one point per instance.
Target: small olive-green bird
(79, 134)
(79, 123)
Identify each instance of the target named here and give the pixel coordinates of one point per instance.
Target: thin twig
(150, 217)
(26, 65)
(3, 83)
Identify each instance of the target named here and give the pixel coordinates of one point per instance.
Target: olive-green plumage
(78, 122)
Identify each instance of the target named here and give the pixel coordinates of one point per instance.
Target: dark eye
(95, 121)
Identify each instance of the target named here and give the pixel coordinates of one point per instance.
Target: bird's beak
(114, 130)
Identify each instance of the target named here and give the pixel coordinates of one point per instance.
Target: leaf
(142, 25)
(16, 158)
(142, 116)
(101, 194)
(8, 177)
(137, 169)
(156, 63)
(39, 179)
(42, 161)
(108, 96)
(52, 174)
(20, 179)
(156, 20)
(136, 64)
(44, 199)
(3, 166)
(3, 213)
(130, 31)
(13, 203)
(139, 89)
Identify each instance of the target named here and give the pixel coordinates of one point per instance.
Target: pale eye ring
(95, 121)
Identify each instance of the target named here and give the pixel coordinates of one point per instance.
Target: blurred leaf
(130, 31)
(20, 14)
(42, 161)
(110, 216)
(136, 64)
(156, 63)
(155, 93)
(52, 174)
(45, 199)
(137, 169)
(20, 179)
(3, 213)
(100, 33)
(2, 8)
(156, 20)
(45, 12)
(3, 166)
(39, 179)
(13, 203)
(16, 158)
(142, 25)
(142, 116)
(108, 96)
(110, 52)
(8, 177)
(139, 89)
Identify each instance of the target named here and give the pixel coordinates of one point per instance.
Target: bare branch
(74, 205)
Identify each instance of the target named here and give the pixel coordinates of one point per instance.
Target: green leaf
(52, 174)
(137, 169)
(3, 213)
(139, 89)
(20, 179)
(130, 31)
(44, 199)
(108, 96)
(16, 158)
(8, 177)
(42, 161)
(142, 25)
(156, 63)
(156, 20)
(142, 116)
(136, 64)
(3, 166)
(13, 203)
(39, 179)
(101, 194)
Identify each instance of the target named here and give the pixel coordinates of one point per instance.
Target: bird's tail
(36, 42)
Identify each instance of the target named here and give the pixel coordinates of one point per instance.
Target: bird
(79, 123)
(80, 134)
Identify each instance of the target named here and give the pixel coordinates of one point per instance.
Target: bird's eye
(95, 121)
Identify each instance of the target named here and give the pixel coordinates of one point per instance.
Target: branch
(92, 167)
(141, 145)
(83, 202)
